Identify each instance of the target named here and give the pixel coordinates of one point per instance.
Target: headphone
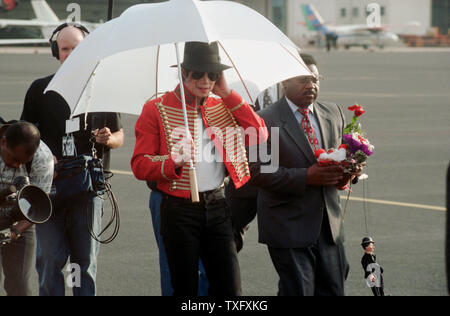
(54, 43)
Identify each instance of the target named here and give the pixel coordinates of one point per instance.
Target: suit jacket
(290, 213)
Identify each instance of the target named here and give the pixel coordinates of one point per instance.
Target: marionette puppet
(373, 272)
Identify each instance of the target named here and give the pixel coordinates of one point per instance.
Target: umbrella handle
(192, 174)
(194, 187)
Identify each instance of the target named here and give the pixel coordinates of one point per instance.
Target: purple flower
(354, 143)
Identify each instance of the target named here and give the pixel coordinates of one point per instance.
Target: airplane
(46, 20)
(348, 35)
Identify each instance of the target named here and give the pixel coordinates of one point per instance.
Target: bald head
(68, 38)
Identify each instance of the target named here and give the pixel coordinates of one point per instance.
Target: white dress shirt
(209, 167)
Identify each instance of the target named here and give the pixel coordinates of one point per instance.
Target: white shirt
(209, 167)
(312, 119)
(41, 174)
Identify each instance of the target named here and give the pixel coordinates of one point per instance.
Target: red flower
(319, 152)
(363, 140)
(358, 109)
(359, 112)
(327, 162)
(343, 146)
(324, 162)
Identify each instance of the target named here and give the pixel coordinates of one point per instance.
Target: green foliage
(353, 127)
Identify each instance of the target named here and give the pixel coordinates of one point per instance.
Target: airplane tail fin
(313, 20)
(45, 14)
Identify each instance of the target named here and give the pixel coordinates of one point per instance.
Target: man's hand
(111, 140)
(349, 177)
(324, 176)
(183, 152)
(221, 88)
(359, 169)
(103, 136)
(341, 185)
(20, 227)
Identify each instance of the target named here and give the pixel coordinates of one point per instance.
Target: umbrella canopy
(127, 60)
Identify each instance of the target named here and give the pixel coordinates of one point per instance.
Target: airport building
(404, 17)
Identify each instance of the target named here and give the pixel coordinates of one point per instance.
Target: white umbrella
(127, 60)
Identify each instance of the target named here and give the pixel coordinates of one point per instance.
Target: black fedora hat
(199, 56)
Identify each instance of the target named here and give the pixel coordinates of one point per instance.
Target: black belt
(212, 196)
(206, 198)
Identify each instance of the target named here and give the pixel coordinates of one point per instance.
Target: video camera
(22, 201)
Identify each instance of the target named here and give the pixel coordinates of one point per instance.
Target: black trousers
(243, 206)
(192, 231)
(377, 291)
(317, 270)
(243, 212)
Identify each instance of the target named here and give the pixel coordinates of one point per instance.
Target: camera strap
(28, 166)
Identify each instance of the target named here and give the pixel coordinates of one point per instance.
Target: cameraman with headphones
(67, 234)
(22, 154)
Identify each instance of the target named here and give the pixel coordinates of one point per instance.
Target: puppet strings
(365, 204)
(346, 202)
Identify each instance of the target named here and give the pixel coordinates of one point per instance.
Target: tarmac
(406, 97)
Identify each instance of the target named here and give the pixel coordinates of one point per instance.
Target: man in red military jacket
(198, 230)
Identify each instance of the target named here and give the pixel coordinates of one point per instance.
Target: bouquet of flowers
(355, 150)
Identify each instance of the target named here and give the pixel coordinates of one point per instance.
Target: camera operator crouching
(22, 155)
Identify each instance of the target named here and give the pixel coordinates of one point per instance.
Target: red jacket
(158, 130)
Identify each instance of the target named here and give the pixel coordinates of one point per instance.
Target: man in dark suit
(299, 212)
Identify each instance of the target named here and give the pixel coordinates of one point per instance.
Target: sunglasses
(213, 76)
